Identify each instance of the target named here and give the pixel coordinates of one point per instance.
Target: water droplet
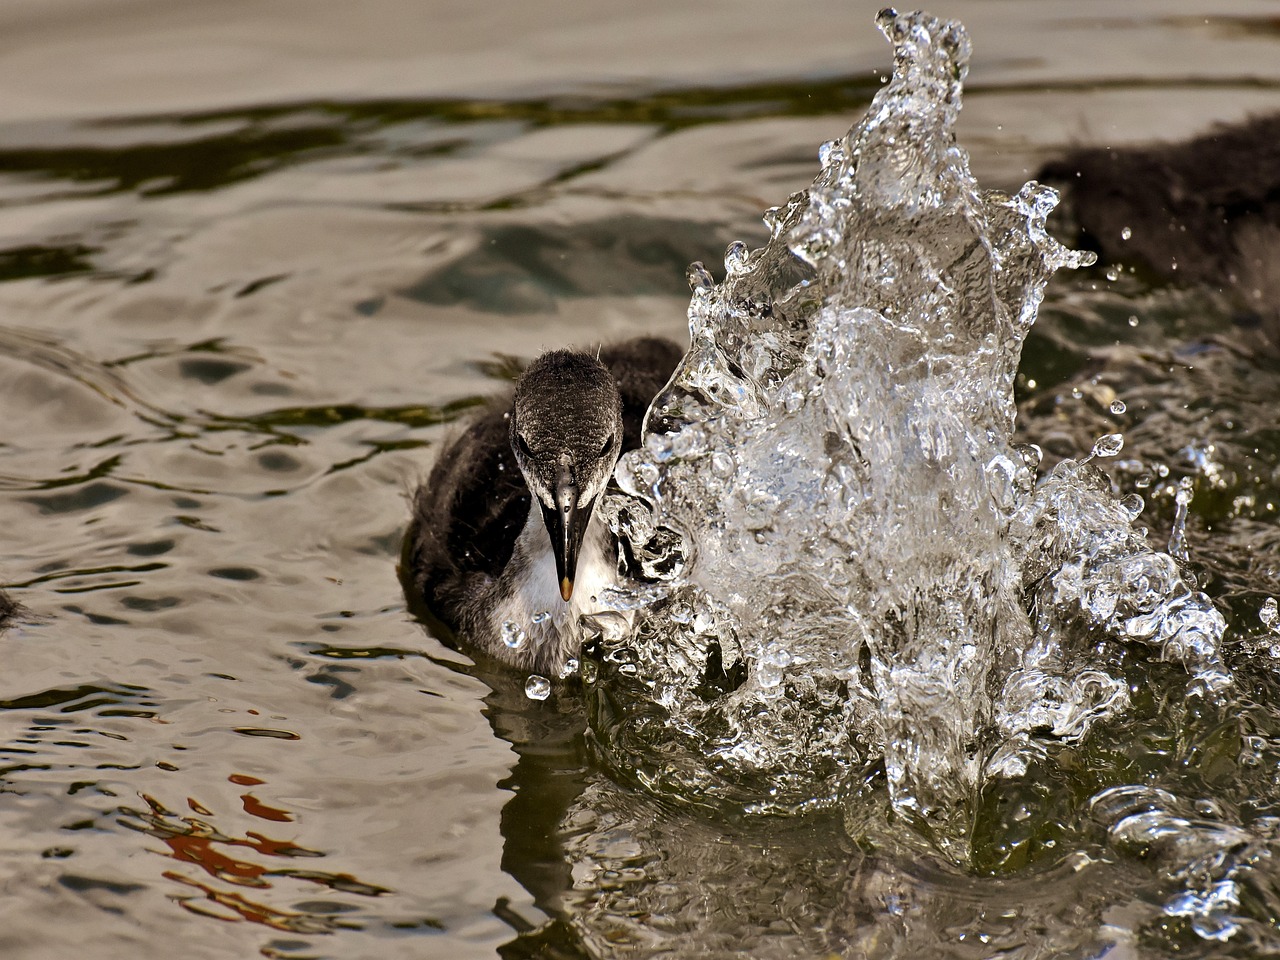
(1178, 533)
(1126, 234)
(1133, 321)
(542, 616)
(1118, 407)
(513, 635)
(699, 277)
(1270, 615)
(735, 258)
(1208, 807)
(1143, 481)
(537, 688)
(1031, 455)
(1133, 505)
(569, 669)
(1109, 445)
(608, 626)
(831, 153)
(1113, 273)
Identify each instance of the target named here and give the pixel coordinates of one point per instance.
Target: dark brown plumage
(10, 610)
(475, 505)
(1206, 210)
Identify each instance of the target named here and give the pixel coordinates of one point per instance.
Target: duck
(506, 545)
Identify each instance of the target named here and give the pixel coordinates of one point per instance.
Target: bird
(1204, 210)
(506, 545)
(10, 610)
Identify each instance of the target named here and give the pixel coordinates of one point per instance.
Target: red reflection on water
(241, 907)
(197, 841)
(200, 851)
(255, 807)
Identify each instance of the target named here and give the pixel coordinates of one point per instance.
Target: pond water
(256, 262)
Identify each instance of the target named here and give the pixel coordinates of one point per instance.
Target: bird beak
(567, 524)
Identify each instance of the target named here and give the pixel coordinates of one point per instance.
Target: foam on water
(853, 564)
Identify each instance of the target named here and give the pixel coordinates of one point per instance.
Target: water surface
(256, 263)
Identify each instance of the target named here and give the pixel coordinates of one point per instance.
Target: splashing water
(852, 564)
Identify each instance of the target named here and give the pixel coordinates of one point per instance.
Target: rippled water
(253, 268)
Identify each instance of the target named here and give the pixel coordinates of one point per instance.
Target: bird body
(10, 610)
(506, 545)
(1206, 210)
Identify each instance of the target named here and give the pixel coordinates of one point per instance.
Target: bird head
(566, 433)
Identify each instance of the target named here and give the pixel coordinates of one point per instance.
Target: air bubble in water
(607, 625)
(537, 688)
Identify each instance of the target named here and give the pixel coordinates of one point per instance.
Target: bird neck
(529, 589)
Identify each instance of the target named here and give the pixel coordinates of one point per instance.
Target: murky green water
(257, 258)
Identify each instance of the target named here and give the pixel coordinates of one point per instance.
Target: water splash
(854, 567)
(1199, 846)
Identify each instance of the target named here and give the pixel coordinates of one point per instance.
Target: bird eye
(604, 451)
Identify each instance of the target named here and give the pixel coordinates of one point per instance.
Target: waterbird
(506, 546)
(1204, 210)
(10, 609)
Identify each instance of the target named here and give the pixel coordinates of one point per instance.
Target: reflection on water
(242, 309)
(196, 841)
